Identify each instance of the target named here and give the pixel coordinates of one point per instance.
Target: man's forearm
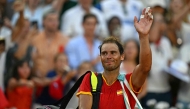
(145, 54)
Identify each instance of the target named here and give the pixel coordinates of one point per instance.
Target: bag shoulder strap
(96, 84)
(65, 100)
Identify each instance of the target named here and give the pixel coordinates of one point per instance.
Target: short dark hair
(86, 16)
(50, 11)
(115, 40)
(112, 18)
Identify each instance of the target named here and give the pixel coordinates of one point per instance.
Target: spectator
(158, 87)
(47, 44)
(21, 39)
(178, 30)
(124, 9)
(87, 49)
(8, 9)
(5, 29)
(20, 86)
(157, 6)
(83, 67)
(184, 91)
(72, 25)
(4, 102)
(61, 76)
(32, 11)
(2, 62)
(117, 29)
(132, 49)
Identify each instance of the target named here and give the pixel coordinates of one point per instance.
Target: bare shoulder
(11, 83)
(12, 80)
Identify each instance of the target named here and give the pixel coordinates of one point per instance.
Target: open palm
(144, 24)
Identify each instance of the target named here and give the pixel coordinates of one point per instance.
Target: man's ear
(122, 57)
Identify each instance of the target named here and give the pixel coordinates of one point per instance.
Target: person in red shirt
(112, 54)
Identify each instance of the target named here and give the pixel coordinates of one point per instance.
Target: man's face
(90, 25)
(51, 22)
(110, 56)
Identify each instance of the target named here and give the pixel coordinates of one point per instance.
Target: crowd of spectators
(46, 45)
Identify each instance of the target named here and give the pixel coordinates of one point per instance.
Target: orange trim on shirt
(106, 82)
(84, 93)
(131, 85)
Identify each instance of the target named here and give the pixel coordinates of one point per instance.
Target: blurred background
(46, 45)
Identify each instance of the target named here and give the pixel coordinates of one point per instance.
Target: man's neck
(50, 34)
(111, 76)
(89, 38)
(32, 8)
(86, 9)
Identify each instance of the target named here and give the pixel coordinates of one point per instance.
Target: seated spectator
(85, 47)
(72, 25)
(57, 88)
(47, 44)
(20, 86)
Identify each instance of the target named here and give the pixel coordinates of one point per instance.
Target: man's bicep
(138, 78)
(85, 101)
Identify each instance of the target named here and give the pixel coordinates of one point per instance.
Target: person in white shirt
(117, 29)
(124, 9)
(184, 91)
(2, 61)
(72, 19)
(33, 12)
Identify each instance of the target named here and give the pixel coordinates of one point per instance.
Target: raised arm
(18, 7)
(141, 71)
(183, 13)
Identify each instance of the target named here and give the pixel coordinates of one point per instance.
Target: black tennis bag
(70, 100)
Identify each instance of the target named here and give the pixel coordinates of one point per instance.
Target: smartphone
(34, 24)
